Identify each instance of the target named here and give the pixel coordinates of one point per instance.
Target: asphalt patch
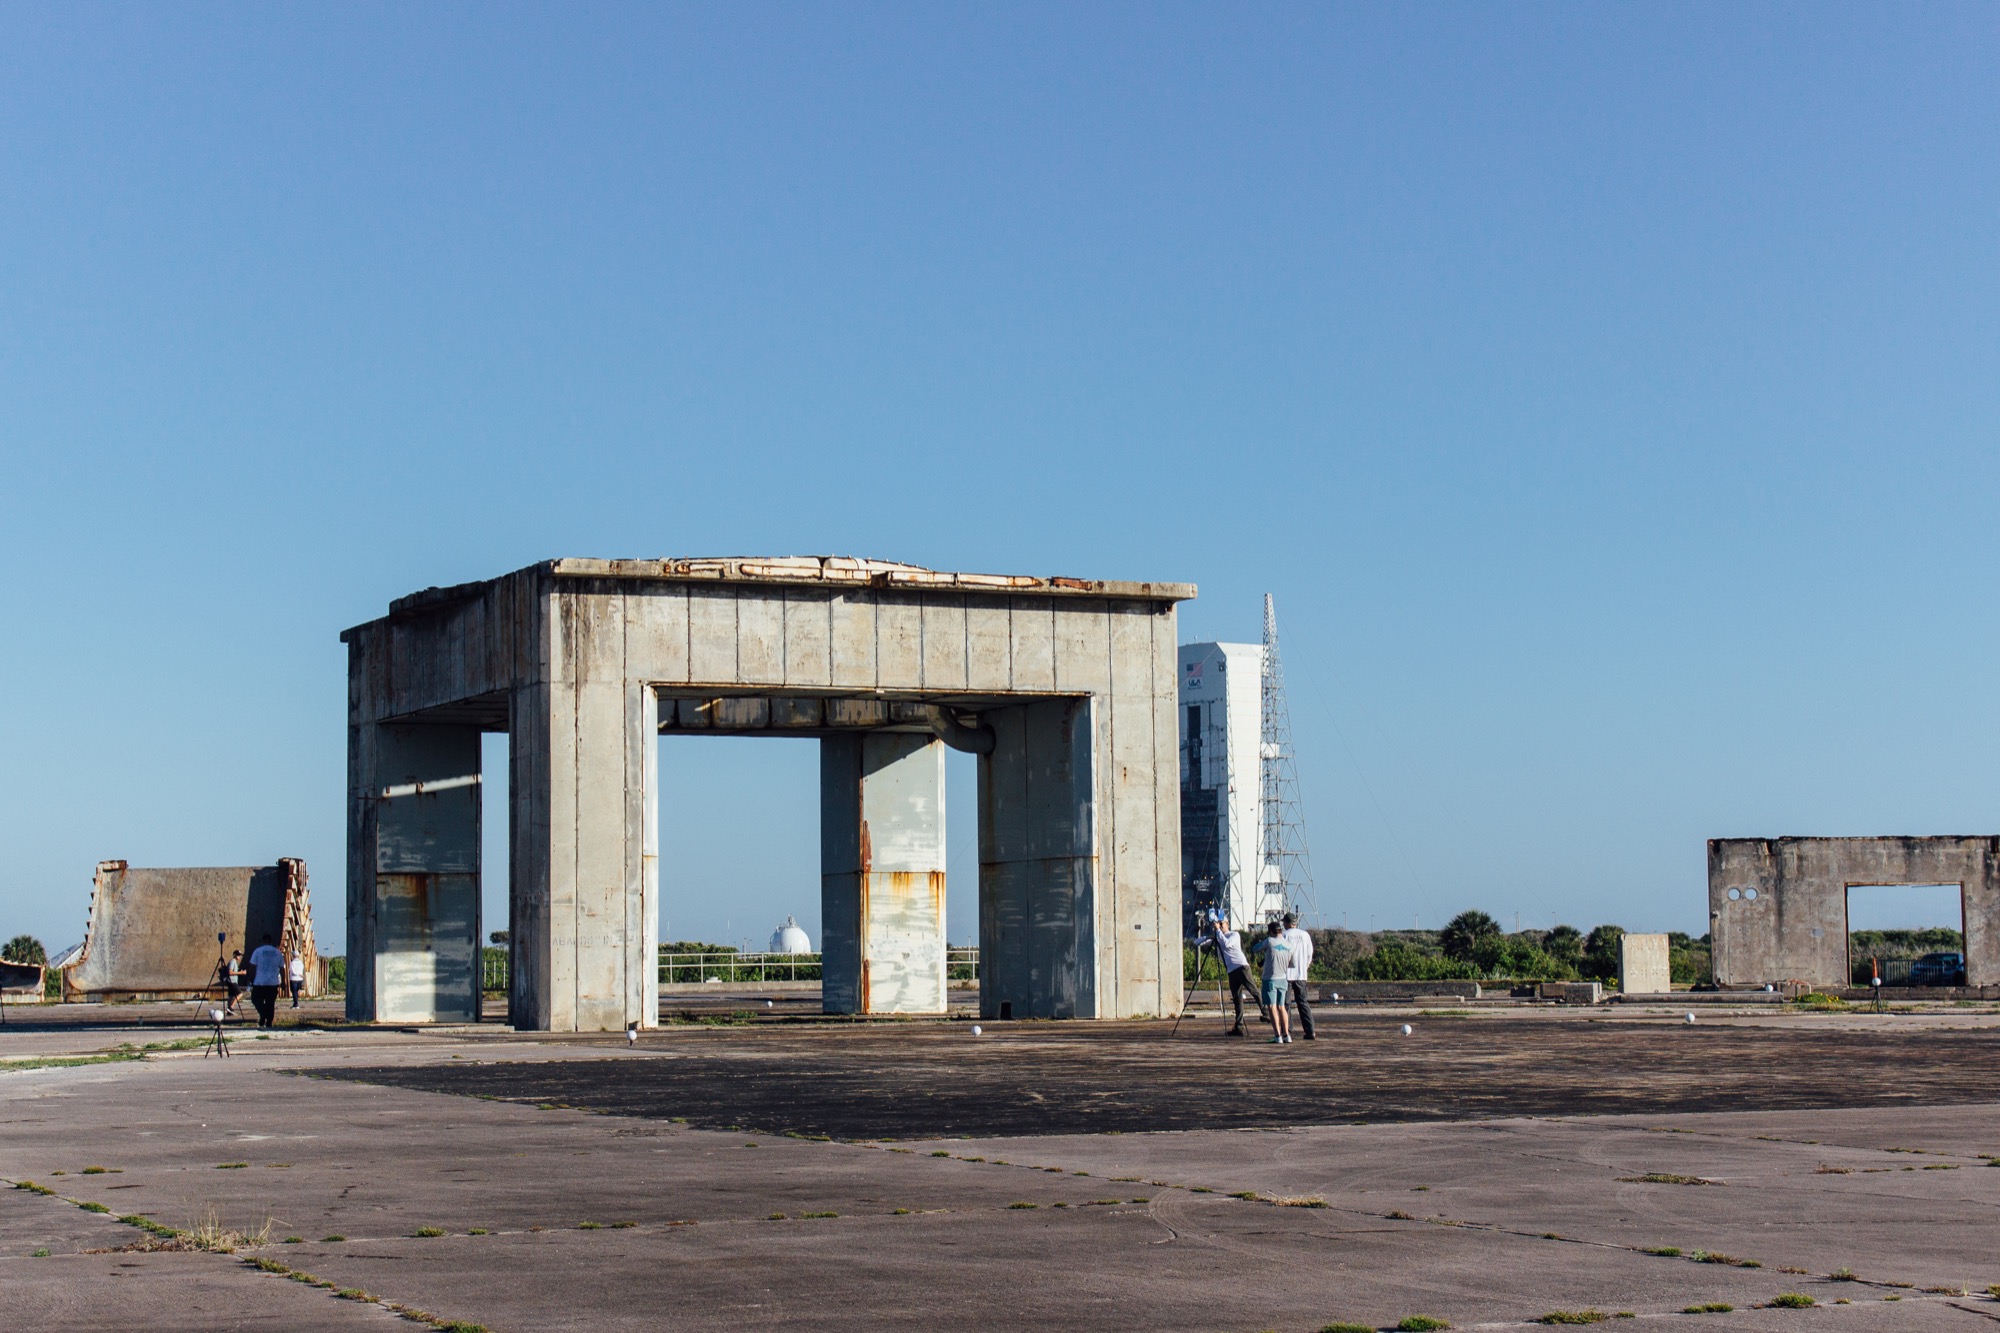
(933, 1081)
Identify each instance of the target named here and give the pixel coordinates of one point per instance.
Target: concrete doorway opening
(741, 854)
(1906, 934)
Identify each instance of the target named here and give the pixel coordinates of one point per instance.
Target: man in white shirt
(295, 973)
(267, 973)
(1301, 945)
(1229, 948)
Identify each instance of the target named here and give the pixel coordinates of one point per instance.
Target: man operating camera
(1229, 948)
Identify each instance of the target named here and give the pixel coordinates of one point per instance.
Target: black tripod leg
(1188, 999)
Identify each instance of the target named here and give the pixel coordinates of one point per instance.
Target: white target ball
(975, 1029)
(1690, 1018)
(1406, 1029)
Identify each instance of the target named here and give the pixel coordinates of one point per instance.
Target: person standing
(267, 973)
(1301, 944)
(296, 974)
(1277, 957)
(232, 980)
(1229, 948)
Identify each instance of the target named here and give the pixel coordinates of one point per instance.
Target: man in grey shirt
(1301, 945)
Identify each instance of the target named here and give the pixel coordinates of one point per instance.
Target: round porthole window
(1734, 894)
(1750, 894)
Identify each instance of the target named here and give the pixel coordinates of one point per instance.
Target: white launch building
(1222, 824)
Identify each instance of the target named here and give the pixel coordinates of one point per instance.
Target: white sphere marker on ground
(1406, 1029)
(975, 1029)
(1690, 1018)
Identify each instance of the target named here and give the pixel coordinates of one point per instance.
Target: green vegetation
(336, 975)
(1813, 999)
(1347, 1328)
(25, 949)
(1713, 1307)
(826, 1214)
(1793, 1300)
(334, 1239)
(1665, 1178)
(1865, 947)
(1023, 1203)
(1664, 1251)
(1421, 1323)
(429, 1232)
(1473, 947)
(1573, 1317)
(93, 1208)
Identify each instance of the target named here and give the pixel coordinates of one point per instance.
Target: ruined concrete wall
(1644, 965)
(572, 659)
(1777, 907)
(153, 932)
(22, 983)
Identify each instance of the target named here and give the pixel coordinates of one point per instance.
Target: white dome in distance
(788, 938)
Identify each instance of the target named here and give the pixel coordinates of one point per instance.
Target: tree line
(1473, 947)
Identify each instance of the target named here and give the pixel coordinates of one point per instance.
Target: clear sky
(1607, 393)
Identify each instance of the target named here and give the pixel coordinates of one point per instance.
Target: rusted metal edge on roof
(834, 571)
(849, 572)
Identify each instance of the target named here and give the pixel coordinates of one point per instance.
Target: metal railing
(735, 968)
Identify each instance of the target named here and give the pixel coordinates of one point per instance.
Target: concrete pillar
(882, 844)
(584, 832)
(413, 900)
(1038, 867)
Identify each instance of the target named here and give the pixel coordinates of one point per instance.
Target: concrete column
(413, 896)
(882, 845)
(1038, 868)
(584, 829)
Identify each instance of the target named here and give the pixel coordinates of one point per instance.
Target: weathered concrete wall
(1039, 913)
(415, 958)
(1644, 965)
(584, 662)
(1777, 907)
(22, 983)
(153, 932)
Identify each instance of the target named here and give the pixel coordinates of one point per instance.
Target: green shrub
(1793, 1300)
(1421, 1323)
(1573, 1317)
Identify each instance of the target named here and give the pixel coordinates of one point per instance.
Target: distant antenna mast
(1286, 870)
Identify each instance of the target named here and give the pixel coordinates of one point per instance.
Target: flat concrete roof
(830, 571)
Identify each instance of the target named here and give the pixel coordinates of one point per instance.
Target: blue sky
(1607, 394)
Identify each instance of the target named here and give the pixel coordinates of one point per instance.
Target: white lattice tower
(1286, 869)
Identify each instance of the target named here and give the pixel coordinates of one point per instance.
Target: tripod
(1195, 985)
(218, 1044)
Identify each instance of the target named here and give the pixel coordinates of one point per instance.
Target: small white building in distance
(1221, 724)
(790, 938)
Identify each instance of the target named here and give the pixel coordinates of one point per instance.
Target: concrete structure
(1065, 688)
(1644, 966)
(1222, 824)
(1777, 907)
(153, 933)
(21, 983)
